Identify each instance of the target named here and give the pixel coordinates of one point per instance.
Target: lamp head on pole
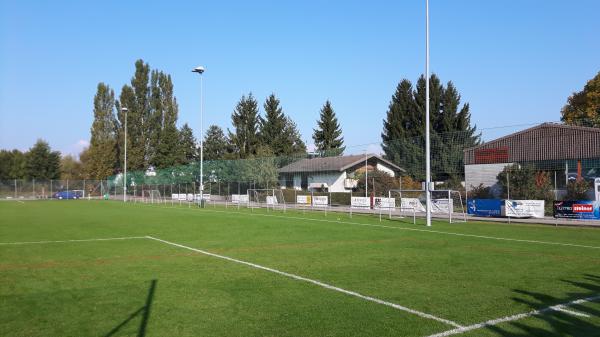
(199, 70)
(124, 109)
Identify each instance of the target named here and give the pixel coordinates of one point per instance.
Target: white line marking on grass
(400, 228)
(559, 307)
(315, 282)
(570, 312)
(80, 240)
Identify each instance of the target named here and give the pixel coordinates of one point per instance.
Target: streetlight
(124, 110)
(427, 144)
(200, 71)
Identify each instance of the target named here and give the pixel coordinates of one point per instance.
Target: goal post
(444, 204)
(152, 196)
(269, 198)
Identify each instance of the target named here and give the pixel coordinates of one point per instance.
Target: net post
(450, 206)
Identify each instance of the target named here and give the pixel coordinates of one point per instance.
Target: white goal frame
(154, 196)
(413, 208)
(254, 200)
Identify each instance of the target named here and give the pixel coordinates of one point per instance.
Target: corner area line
(559, 307)
(64, 241)
(315, 282)
(400, 228)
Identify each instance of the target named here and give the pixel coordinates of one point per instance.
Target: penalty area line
(559, 307)
(75, 240)
(315, 282)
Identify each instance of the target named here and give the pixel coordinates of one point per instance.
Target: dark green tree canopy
(245, 121)
(272, 126)
(328, 134)
(403, 136)
(583, 107)
(41, 162)
(215, 143)
(103, 142)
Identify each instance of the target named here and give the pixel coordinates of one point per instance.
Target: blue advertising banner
(485, 207)
(577, 209)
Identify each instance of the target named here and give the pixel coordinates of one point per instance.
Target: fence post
(15, 188)
(33, 188)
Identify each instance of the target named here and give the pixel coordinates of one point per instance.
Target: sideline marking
(394, 227)
(315, 282)
(560, 307)
(80, 240)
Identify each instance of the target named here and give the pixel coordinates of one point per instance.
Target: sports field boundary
(315, 282)
(74, 240)
(384, 226)
(557, 307)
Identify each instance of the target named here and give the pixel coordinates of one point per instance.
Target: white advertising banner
(320, 200)
(303, 199)
(271, 200)
(523, 208)
(411, 204)
(239, 198)
(444, 206)
(206, 197)
(384, 203)
(597, 189)
(360, 202)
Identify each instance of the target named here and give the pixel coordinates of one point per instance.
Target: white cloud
(75, 149)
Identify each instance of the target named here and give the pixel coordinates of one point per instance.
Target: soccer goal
(412, 203)
(269, 198)
(152, 196)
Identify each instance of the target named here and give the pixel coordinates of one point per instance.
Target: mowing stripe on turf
(399, 228)
(559, 307)
(80, 240)
(315, 282)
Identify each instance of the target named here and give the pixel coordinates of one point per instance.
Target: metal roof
(547, 141)
(337, 164)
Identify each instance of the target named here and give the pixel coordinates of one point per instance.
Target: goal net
(152, 196)
(445, 204)
(266, 198)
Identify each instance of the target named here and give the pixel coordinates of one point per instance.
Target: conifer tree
(215, 143)
(103, 141)
(272, 126)
(328, 134)
(245, 137)
(187, 149)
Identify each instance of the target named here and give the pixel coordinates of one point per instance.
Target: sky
(514, 61)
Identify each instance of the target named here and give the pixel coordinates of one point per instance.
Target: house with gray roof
(333, 174)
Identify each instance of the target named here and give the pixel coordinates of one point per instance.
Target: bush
(577, 190)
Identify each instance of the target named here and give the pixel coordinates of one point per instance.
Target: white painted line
(570, 312)
(559, 307)
(398, 228)
(315, 282)
(63, 241)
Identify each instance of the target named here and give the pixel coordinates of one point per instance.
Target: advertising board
(320, 200)
(360, 202)
(577, 209)
(523, 208)
(485, 207)
(303, 199)
(384, 203)
(239, 198)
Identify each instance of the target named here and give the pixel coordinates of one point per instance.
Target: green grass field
(329, 275)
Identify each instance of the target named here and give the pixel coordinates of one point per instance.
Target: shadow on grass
(144, 311)
(557, 323)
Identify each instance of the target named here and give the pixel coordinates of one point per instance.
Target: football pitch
(105, 268)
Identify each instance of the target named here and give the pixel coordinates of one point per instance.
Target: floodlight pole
(427, 143)
(366, 176)
(123, 109)
(200, 71)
